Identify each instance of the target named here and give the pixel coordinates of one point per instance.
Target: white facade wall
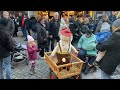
(31, 13)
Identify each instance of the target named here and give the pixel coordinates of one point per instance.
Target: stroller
(19, 55)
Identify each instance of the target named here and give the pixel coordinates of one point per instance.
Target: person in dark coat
(73, 28)
(10, 26)
(111, 59)
(6, 46)
(19, 21)
(47, 31)
(85, 26)
(112, 17)
(16, 26)
(54, 25)
(41, 36)
(27, 24)
(104, 18)
(33, 27)
(79, 23)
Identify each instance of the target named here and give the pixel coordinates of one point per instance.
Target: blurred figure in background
(54, 25)
(10, 26)
(33, 27)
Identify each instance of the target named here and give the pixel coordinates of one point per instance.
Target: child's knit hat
(30, 38)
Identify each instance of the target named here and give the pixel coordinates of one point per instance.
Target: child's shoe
(31, 72)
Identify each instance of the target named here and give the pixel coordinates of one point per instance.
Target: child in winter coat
(32, 53)
(101, 37)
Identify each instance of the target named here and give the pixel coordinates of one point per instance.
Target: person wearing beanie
(111, 60)
(101, 37)
(104, 18)
(32, 53)
(87, 46)
(64, 47)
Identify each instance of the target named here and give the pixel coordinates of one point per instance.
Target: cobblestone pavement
(21, 70)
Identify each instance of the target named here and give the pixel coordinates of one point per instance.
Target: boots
(84, 67)
(87, 69)
(32, 70)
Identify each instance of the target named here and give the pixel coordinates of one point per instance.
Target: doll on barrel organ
(64, 47)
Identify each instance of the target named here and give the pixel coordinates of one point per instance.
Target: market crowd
(97, 42)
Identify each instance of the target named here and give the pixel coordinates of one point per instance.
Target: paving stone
(32, 77)
(118, 76)
(114, 77)
(96, 74)
(89, 76)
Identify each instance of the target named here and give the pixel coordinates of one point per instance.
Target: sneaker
(25, 40)
(42, 57)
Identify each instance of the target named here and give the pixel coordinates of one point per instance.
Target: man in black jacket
(54, 29)
(6, 46)
(10, 26)
(111, 59)
(33, 22)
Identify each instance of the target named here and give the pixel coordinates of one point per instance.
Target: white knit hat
(30, 38)
(105, 27)
(116, 23)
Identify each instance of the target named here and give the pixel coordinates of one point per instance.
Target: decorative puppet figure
(64, 47)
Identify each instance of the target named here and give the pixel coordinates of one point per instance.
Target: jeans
(82, 54)
(104, 75)
(24, 31)
(7, 64)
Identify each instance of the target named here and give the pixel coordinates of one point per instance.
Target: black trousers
(28, 30)
(53, 42)
(15, 31)
(42, 52)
